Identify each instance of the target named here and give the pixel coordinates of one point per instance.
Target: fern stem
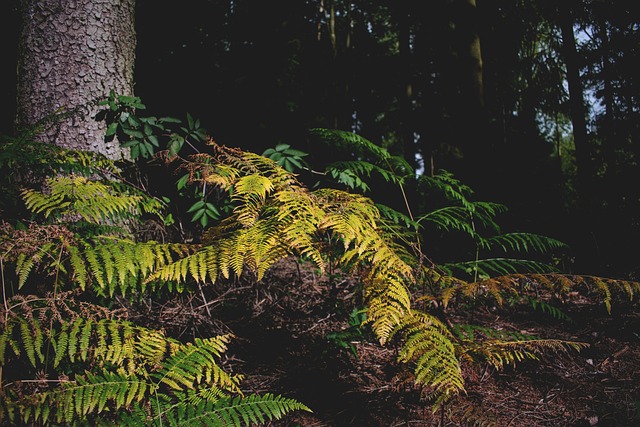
(406, 204)
(206, 303)
(4, 291)
(475, 269)
(4, 301)
(155, 392)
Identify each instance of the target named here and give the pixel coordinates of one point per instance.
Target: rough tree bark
(71, 54)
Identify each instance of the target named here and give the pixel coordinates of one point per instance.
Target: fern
(454, 190)
(519, 285)
(368, 158)
(106, 264)
(194, 364)
(429, 344)
(23, 153)
(233, 411)
(275, 216)
(499, 353)
(548, 308)
(94, 201)
(491, 267)
(351, 141)
(119, 372)
(522, 242)
(462, 218)
(130, 368)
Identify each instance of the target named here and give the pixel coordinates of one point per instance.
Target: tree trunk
(576, 102)
(471, 118)
(470, 53)
(407, 130)
(71, 54)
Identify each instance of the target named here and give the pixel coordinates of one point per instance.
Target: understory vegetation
(85, 240)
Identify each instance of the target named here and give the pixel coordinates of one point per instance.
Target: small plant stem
(206, 304)
(55, 296)
(4, 301)
(4, 292)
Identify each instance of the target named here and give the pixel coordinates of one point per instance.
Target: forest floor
(293, 338)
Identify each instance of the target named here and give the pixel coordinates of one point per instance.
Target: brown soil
(283, 327)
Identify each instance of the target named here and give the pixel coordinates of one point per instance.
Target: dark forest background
(547, 123)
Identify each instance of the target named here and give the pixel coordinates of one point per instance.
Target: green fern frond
(451, 187)
(94, 201)
(88, 394)
(194, 362)
(548, 308)
(361, 169)
(396, 217)
(120, 263)
(451, 218)
(24, 151)
(490, 267)
(478, 333)
(239, 411)
(143, 360)
(463, 218)
(350, 141)
(21, 336)
(24, 265)
(522, 242)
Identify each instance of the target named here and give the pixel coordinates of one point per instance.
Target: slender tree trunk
(608, 126)
(71, 54)
(576, 102)
(470, 52)
(476, 147)
(406, 112)
(586, 241)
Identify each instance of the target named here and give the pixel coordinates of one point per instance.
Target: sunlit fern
(273, 216)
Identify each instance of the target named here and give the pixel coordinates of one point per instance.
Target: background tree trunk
(577, 107)
(470, 53)
(72, 53)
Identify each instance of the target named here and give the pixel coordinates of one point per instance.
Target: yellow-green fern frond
(388, 303)
(354, 220)
(118, 343)
(22, 337)
(502, 347)
(251, 193)
(518, 285)
(430, 346)
(499, 353)
(121, 264)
